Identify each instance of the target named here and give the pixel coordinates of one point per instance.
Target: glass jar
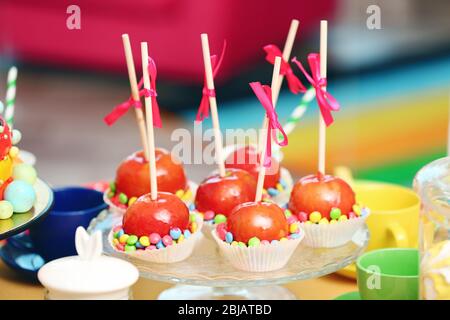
(432, 183)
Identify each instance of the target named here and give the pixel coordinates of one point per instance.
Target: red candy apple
(321, 193)
(247, 159)
(133, 177)
(222, 194)
(5, 139)
(147, 216)
(257, 219)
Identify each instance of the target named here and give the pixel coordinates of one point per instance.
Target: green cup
(389, 274)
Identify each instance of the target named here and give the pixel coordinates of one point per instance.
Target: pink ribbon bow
(203, 109)
(294, 83)
(122, 108)
(264, 95)
(326, 101)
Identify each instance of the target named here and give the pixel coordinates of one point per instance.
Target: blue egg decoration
(21, 195)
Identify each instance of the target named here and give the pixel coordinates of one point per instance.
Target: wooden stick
(149, 116)
(213, 104)
(135, 92)
(286, 56)
(323, 74)
(264, 133)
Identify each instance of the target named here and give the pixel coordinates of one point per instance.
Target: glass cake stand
(20, 222)
(207, 275)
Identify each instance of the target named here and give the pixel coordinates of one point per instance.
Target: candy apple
(247, 158)
(263, 220)
(133, 176)
(5, 139)
(222, 194)
(321, 193)
(147, 216)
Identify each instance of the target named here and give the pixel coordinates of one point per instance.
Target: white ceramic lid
(89, 273)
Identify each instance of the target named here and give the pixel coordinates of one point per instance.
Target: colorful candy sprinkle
(145, 241)
(220, 218)
(343, 218)
(180, 239)
(191, 207)
(167, 240)
(279, 187)
(192, 217)
(187, 195)
(295, 235)
(365, 211)
(274, 242)
(131, 240)
(252, 242)
(293, 228)
(229, 237)
(335, 213)
(265, 242)
(292, 219)
(160, 245)
(175, 233)
(194, 226)
(302, 216)
(287, 213)
(123, 238)
(208, 215)
(315, 216)
(272, 192)
(186, 234)
(352, 215)
(123, 199)
(356, 209)
(155, 238)
(221, 231)
(129, 248)
(179, 193)
(131, 201)
(324, 221)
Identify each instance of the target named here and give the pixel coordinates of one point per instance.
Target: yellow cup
(394, 218)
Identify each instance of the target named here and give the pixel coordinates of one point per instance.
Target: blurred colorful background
(393, 83)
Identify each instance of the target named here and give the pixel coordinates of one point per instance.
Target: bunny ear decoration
(88, 246)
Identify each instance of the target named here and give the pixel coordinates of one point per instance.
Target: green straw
(10, 96)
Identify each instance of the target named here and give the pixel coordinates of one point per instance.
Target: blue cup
(54, 236)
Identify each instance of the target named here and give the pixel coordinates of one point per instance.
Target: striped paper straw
(299, 111)
(10, 96)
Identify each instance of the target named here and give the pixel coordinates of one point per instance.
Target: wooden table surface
(328, 287)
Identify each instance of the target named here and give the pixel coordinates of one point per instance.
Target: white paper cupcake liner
(115, 210)
(332, 235)
(207, 230)
(260, 258)
(170, 254)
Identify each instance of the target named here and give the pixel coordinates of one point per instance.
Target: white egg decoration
(21, 195)
(6, 210)
(16, 136)
(25, 172)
